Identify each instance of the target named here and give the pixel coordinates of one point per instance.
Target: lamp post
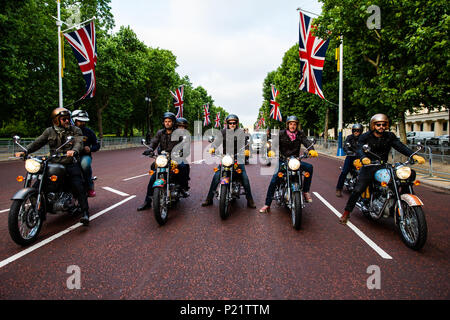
(148, 100)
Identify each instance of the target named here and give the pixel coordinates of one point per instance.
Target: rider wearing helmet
(234, 133)
(290, 142)
(163, 141)
(352, 139)
(182, 126)
(55, 136)
(91, 144)
(380, 142)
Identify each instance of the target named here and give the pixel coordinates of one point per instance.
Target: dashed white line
(366, 239)
(120, 193)
(58, 235)
(142, 175)
(4, 210)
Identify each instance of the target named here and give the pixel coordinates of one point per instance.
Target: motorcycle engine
(61, 201)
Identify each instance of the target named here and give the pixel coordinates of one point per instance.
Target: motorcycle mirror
(143, 141)
(16, 138)
(348, 144)
(366, 148)
(210, 139)
(69, 138)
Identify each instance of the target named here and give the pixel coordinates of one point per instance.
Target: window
(432, 126)
(421, 127)
(445, 126)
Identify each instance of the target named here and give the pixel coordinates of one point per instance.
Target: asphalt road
(125, 254)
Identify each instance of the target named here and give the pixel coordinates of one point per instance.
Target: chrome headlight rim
(161, 161)
(227, 161)
(403, 173)
(33, 166)
(294, 164)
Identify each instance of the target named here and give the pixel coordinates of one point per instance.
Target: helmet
(80, 115)
(57, 113)
(169, 115)
(291, 119)
(182, 122)
(379, 117)
(358, 127)
(232, 117)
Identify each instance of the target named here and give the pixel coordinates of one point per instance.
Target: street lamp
(148, 100)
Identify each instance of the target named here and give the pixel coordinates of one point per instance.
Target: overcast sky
(225, 46)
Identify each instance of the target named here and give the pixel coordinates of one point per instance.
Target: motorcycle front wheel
(224, 203)
(24, 220)
(160, 208)
(413, 227)
(296, 211)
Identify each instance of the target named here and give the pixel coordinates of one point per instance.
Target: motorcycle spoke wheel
(413, 227)
(24, 221)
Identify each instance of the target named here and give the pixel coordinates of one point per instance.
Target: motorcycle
(391, 194)
(45, 191)
(289, 190)
(352, 175)
(167, 190)
(268, 154)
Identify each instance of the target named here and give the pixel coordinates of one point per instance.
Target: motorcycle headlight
(32, 166)
(161, 161)
(227, 161)
(294, 164)
(403, 173)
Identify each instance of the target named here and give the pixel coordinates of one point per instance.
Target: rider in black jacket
(380, 142)
(352, 139)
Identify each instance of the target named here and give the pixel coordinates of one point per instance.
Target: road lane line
(58, 235)
(120, 193)
(142, 175)
(4, 210)
(366, 239)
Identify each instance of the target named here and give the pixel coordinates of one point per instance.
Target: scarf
(292, 135)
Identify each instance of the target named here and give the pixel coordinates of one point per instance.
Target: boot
(264, 209)
(207, 202)
(251, 203)
(146, 205)
(345, 217)
(338, 193)
(85, 218)
(307, 197)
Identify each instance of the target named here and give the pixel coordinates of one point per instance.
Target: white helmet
(80, 115)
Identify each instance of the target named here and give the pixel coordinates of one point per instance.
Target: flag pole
(59, 24)
(340, 150)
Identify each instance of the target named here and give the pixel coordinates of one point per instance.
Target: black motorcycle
(391, 194)
(352, 175)
(45, 191)
(167, 190)
(289, 189)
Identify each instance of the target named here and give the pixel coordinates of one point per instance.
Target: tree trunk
(402, 127)
(125, 130)
(100, 119)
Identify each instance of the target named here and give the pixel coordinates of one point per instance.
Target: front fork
(397, 194)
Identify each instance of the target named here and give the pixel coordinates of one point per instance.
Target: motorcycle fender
(295, 187)
(225, 180)
(411, 200)
(22, 193)
(160, 183)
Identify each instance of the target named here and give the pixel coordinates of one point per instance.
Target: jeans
(245, 183)
(275, 179)
(86, 162)
(345, 170)
(364, 179)
(76, 183)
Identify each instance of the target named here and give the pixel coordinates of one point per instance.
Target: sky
(226, 46)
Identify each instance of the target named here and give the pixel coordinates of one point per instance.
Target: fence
(437, 157)
(8, 147)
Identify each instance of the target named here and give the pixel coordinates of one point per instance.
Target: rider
(91, 144)
(163, 141)
(352, 139)
(185, 169)
(55, 136)
(290, 142)
(380, 142)
(232, 123)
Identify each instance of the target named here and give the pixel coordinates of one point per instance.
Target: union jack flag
(84, 46)
(312, 52)
(275, 112)
(217, 125)
(262, 122)
(178, 100)
(206, 114)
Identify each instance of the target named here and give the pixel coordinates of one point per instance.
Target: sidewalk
(426, 180)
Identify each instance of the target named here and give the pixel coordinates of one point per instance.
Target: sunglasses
(65, 119)
(356, 130)
(232, 123)
(381, 124)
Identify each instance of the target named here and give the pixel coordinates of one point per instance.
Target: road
(125, 254)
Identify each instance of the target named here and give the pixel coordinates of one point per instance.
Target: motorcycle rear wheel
(413, 230)
(24, 222)
(160, 208)
(224, 203)
(296, 211)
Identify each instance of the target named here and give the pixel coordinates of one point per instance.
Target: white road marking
(58, 235)
(142, 175)
(366, 239)
(120, 193)
(4, 210)
(199, 161)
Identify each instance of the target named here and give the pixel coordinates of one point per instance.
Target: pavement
(432, 182)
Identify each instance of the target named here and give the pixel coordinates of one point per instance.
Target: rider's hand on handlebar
(148, 152)
(313, 153)
(20, 154)
(211, 151)
(365, 161)
(70, 153)
(419, 159)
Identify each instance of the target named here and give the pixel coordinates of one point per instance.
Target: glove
(365, 160)
(148, 152)
(211, 151)
(313, 153)
(357, 163)
(247, 153)
(419, 159)
(271, 154)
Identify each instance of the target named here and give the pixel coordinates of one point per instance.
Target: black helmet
(357, 127)
(182, 122)
(291, 119)
(232, 117)
(169, 115)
